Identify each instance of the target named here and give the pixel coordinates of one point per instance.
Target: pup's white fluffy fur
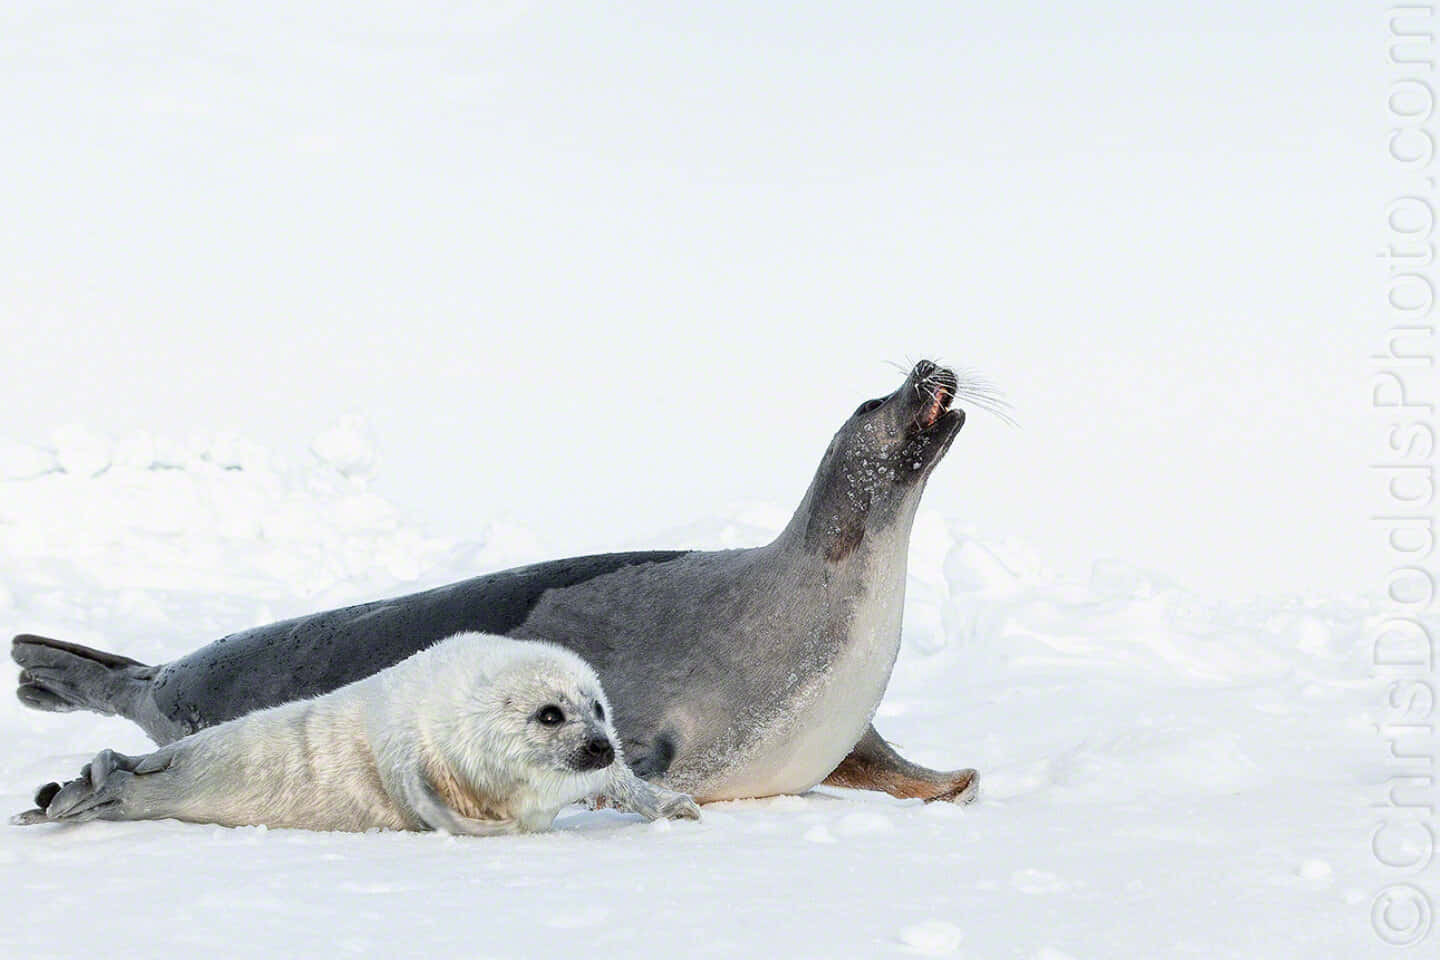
(446, 740)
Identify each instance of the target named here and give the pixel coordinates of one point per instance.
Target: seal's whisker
(981, 392)
(980, 388)
(973, 380)
(980, 396)
(1000, 409)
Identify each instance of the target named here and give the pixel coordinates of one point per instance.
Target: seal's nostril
(597, 753)
(923, 369)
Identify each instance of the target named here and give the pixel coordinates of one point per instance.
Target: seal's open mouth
(936, 387)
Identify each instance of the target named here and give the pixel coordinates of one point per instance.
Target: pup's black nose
(599, 752)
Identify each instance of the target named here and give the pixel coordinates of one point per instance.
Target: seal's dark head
(872, 476)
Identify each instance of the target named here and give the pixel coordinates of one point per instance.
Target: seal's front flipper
(874, 765)
(55, 675)
(628, 792)
(426, 804)
(650, 759)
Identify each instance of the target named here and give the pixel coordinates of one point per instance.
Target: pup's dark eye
(867, 406)
(550, 715)
(599, 711)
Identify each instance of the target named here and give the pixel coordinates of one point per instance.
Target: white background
(608, 268)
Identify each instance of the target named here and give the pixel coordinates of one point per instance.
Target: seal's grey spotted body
(734, 673)
(478, 735)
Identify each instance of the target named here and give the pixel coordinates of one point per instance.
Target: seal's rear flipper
(101, 792)
(874, 765)
(55, 675)
(43, 796)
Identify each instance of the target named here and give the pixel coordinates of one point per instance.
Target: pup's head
(553, 712)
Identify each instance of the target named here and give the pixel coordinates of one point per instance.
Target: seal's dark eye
(599, 711)
(867, 406)
(550, 715)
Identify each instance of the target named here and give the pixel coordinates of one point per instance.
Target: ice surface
(21, 461)
(1163, 775)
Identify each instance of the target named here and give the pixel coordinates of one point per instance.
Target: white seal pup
(478, 735)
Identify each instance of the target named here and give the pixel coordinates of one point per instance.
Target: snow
(1163, 774)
